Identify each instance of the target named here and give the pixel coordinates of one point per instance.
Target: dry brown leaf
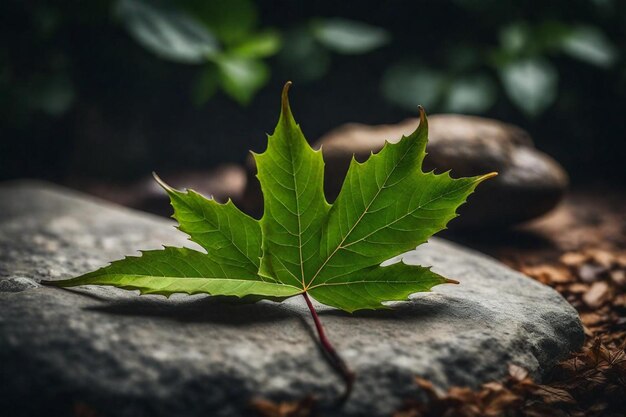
(591, 319)
(578, 288)
(427, 387)
(573, 259)
(620, 259)
(548, 274)
(597, 295)
(299, 408)
(517, 372)
(618, 276)
(602, 257)
(553, 395)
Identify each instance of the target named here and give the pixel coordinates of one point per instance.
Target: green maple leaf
(303, 244)
(386, 206)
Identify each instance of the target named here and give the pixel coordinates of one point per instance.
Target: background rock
(118, 354)
(529, 184)
(223, 182)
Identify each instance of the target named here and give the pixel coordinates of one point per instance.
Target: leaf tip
(285, 98)
(161, 182)
(255, 156)
(422, 113)
(451, 281)
(488, 176)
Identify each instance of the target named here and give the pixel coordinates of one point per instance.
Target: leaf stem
(333, 357)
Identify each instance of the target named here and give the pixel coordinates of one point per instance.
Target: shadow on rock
(423, 307)
(220, 310)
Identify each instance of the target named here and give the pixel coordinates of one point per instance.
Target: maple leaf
(303, 244)
(386, 206)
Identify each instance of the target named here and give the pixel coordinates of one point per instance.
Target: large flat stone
(126, 355)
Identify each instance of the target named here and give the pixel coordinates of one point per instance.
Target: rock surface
(529, 184)
(112, 351)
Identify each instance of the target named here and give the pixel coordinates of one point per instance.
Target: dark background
(82, 100)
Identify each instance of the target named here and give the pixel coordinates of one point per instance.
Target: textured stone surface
(123, 355)
(529, 184)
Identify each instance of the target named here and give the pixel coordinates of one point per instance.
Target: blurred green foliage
(112, 88)
(520, 66)
(219, 35)
(230, 46)
(223, 37)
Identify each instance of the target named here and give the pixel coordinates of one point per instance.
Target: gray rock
(529, 184)
(120, 354)
(17, 284)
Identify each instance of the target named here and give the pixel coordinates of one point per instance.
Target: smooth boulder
(112, 352)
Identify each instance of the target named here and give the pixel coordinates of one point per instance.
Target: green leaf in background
(53, 94)
(514, 38)
(463, 58)
(471, 94)
(348, 36)
(258, 45)
(585, 43)
(589, 44)
(531, 84)
(167, 32)
(303, 245)
(230, 20)
(407, 85)
(241, 78)
(522, 40)
(302, 57)
(206, 85)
